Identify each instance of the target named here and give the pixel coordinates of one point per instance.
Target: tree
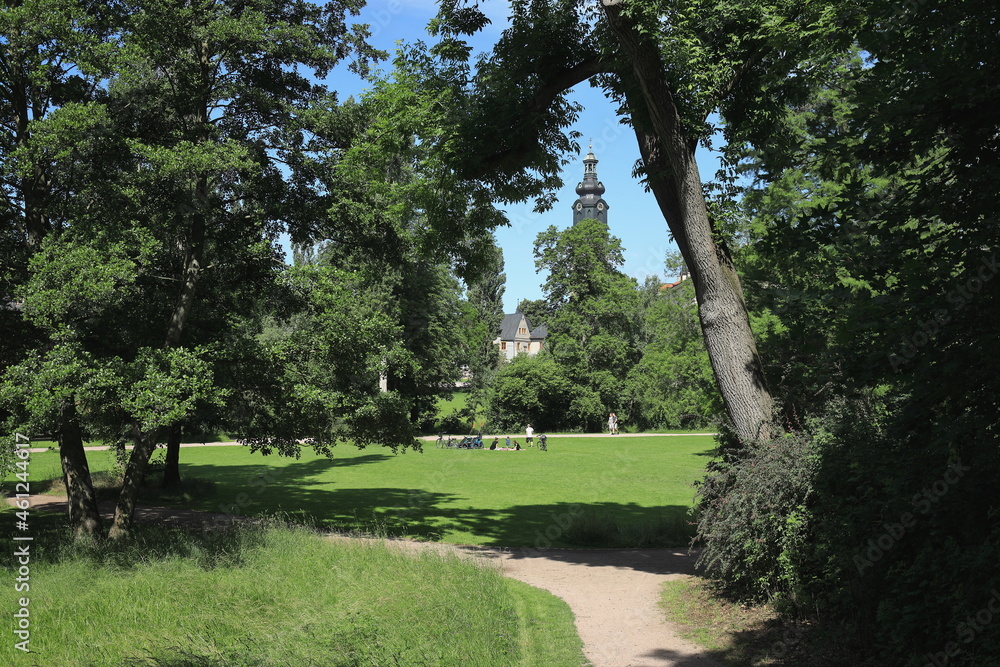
(593, 329)
(51, 59)
(536, 310)
(322, 364)
(399, 210)
(180, 196)
(871, 261)
(485, 296)
(670, 65)
(532, 390)
(228, 88)
(672, 385)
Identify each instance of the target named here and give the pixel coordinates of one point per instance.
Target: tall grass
(277, 595)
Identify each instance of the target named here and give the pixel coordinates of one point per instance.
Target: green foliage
(672, 385)
(755, 516)
(871, 267)
(485, 298)
(593, 328)
(400, 194)
(321, 371)
(536, 310)
(611, 346)
(532, 390)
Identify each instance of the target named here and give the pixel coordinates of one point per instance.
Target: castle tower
(590, 204)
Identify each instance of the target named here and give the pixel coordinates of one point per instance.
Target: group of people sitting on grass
(514, 445)
(507, 446)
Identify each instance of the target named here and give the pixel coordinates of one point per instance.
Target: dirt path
(613, 593)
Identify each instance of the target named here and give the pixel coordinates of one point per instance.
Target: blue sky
(633, 215)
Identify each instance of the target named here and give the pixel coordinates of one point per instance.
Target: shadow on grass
(416, 513)
(293, 492)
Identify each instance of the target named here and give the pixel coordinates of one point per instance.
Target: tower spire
(590, 204)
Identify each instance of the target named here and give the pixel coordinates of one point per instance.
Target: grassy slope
(473, 497)
(280, 597)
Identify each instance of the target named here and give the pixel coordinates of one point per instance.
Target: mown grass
(458, 401)
(589, 492)
(276, 595)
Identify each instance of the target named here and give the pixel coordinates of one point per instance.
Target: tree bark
(171, 469)
(81, 502)
(145, 443)
(668, 151)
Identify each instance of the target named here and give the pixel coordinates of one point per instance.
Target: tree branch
(552, 85)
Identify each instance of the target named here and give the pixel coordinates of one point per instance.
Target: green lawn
(255, 596)
(459, 401)
(582, 492)
(275, 596)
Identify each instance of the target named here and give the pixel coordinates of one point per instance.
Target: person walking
(529, 436)
(612, 423)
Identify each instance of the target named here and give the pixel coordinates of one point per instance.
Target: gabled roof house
(517, 336)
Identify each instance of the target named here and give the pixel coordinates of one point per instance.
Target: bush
(530, 390)
(754, 517)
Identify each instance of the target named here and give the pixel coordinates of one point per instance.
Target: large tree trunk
(81, 501)
(668, 153)
(172, 469)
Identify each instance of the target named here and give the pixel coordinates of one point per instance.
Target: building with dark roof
(517, 336)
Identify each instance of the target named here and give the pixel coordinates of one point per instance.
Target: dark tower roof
(590, 204)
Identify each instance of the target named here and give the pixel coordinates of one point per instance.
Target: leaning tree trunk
(81, 502)
(668, 153)
(135, 471)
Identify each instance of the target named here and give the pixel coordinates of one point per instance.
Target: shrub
(754, 517)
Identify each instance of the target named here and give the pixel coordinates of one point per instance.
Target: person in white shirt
(529, 436)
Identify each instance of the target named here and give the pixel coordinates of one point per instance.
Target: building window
(522, 331)
(503, 345)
